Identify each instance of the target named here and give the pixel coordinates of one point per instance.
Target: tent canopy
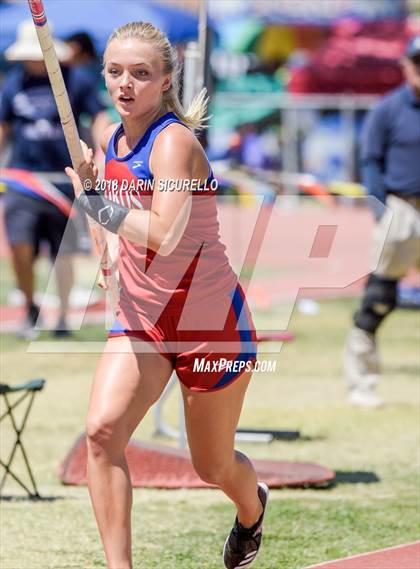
(99, 18)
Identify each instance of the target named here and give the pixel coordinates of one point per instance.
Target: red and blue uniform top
(198, 266)
(188, 303)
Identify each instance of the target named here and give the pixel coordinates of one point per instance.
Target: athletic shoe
(28, 330)
(61, 331)
(362, 369)
(365, 398)
(361, 357)
(242, 545)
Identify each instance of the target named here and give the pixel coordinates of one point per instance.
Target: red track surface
(399, 557)
(308, 252)
(316, 252)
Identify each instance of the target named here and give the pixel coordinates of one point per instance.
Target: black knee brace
(379, 299)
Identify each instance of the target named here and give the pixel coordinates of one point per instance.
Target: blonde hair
(195, 116)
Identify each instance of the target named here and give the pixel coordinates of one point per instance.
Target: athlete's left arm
(173, 159)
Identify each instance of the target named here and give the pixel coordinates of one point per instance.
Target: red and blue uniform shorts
(204, 359)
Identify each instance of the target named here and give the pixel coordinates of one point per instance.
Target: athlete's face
(134, 77)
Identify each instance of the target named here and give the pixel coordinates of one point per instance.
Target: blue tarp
(99, 18)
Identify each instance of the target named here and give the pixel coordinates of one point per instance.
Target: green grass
(185, 529)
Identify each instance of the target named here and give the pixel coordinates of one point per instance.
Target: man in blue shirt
(390, 161)
(29, 120)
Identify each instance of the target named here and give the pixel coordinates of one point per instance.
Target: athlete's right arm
(173, 160)
(161, 227)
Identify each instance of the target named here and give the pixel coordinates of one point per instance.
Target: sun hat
(26, 47)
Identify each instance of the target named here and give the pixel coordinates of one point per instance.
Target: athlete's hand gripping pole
(72, 136)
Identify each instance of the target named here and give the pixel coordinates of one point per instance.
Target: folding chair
(29, 391)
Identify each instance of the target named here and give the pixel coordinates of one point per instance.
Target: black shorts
(35, 221)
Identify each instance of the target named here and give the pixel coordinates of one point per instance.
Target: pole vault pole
(72, 136)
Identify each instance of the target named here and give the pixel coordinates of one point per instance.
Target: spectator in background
(29, 120)
(247, 147)
(391, 174)
(82, 51)
(83, 55)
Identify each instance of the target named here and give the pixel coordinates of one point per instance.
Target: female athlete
(181, 307)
